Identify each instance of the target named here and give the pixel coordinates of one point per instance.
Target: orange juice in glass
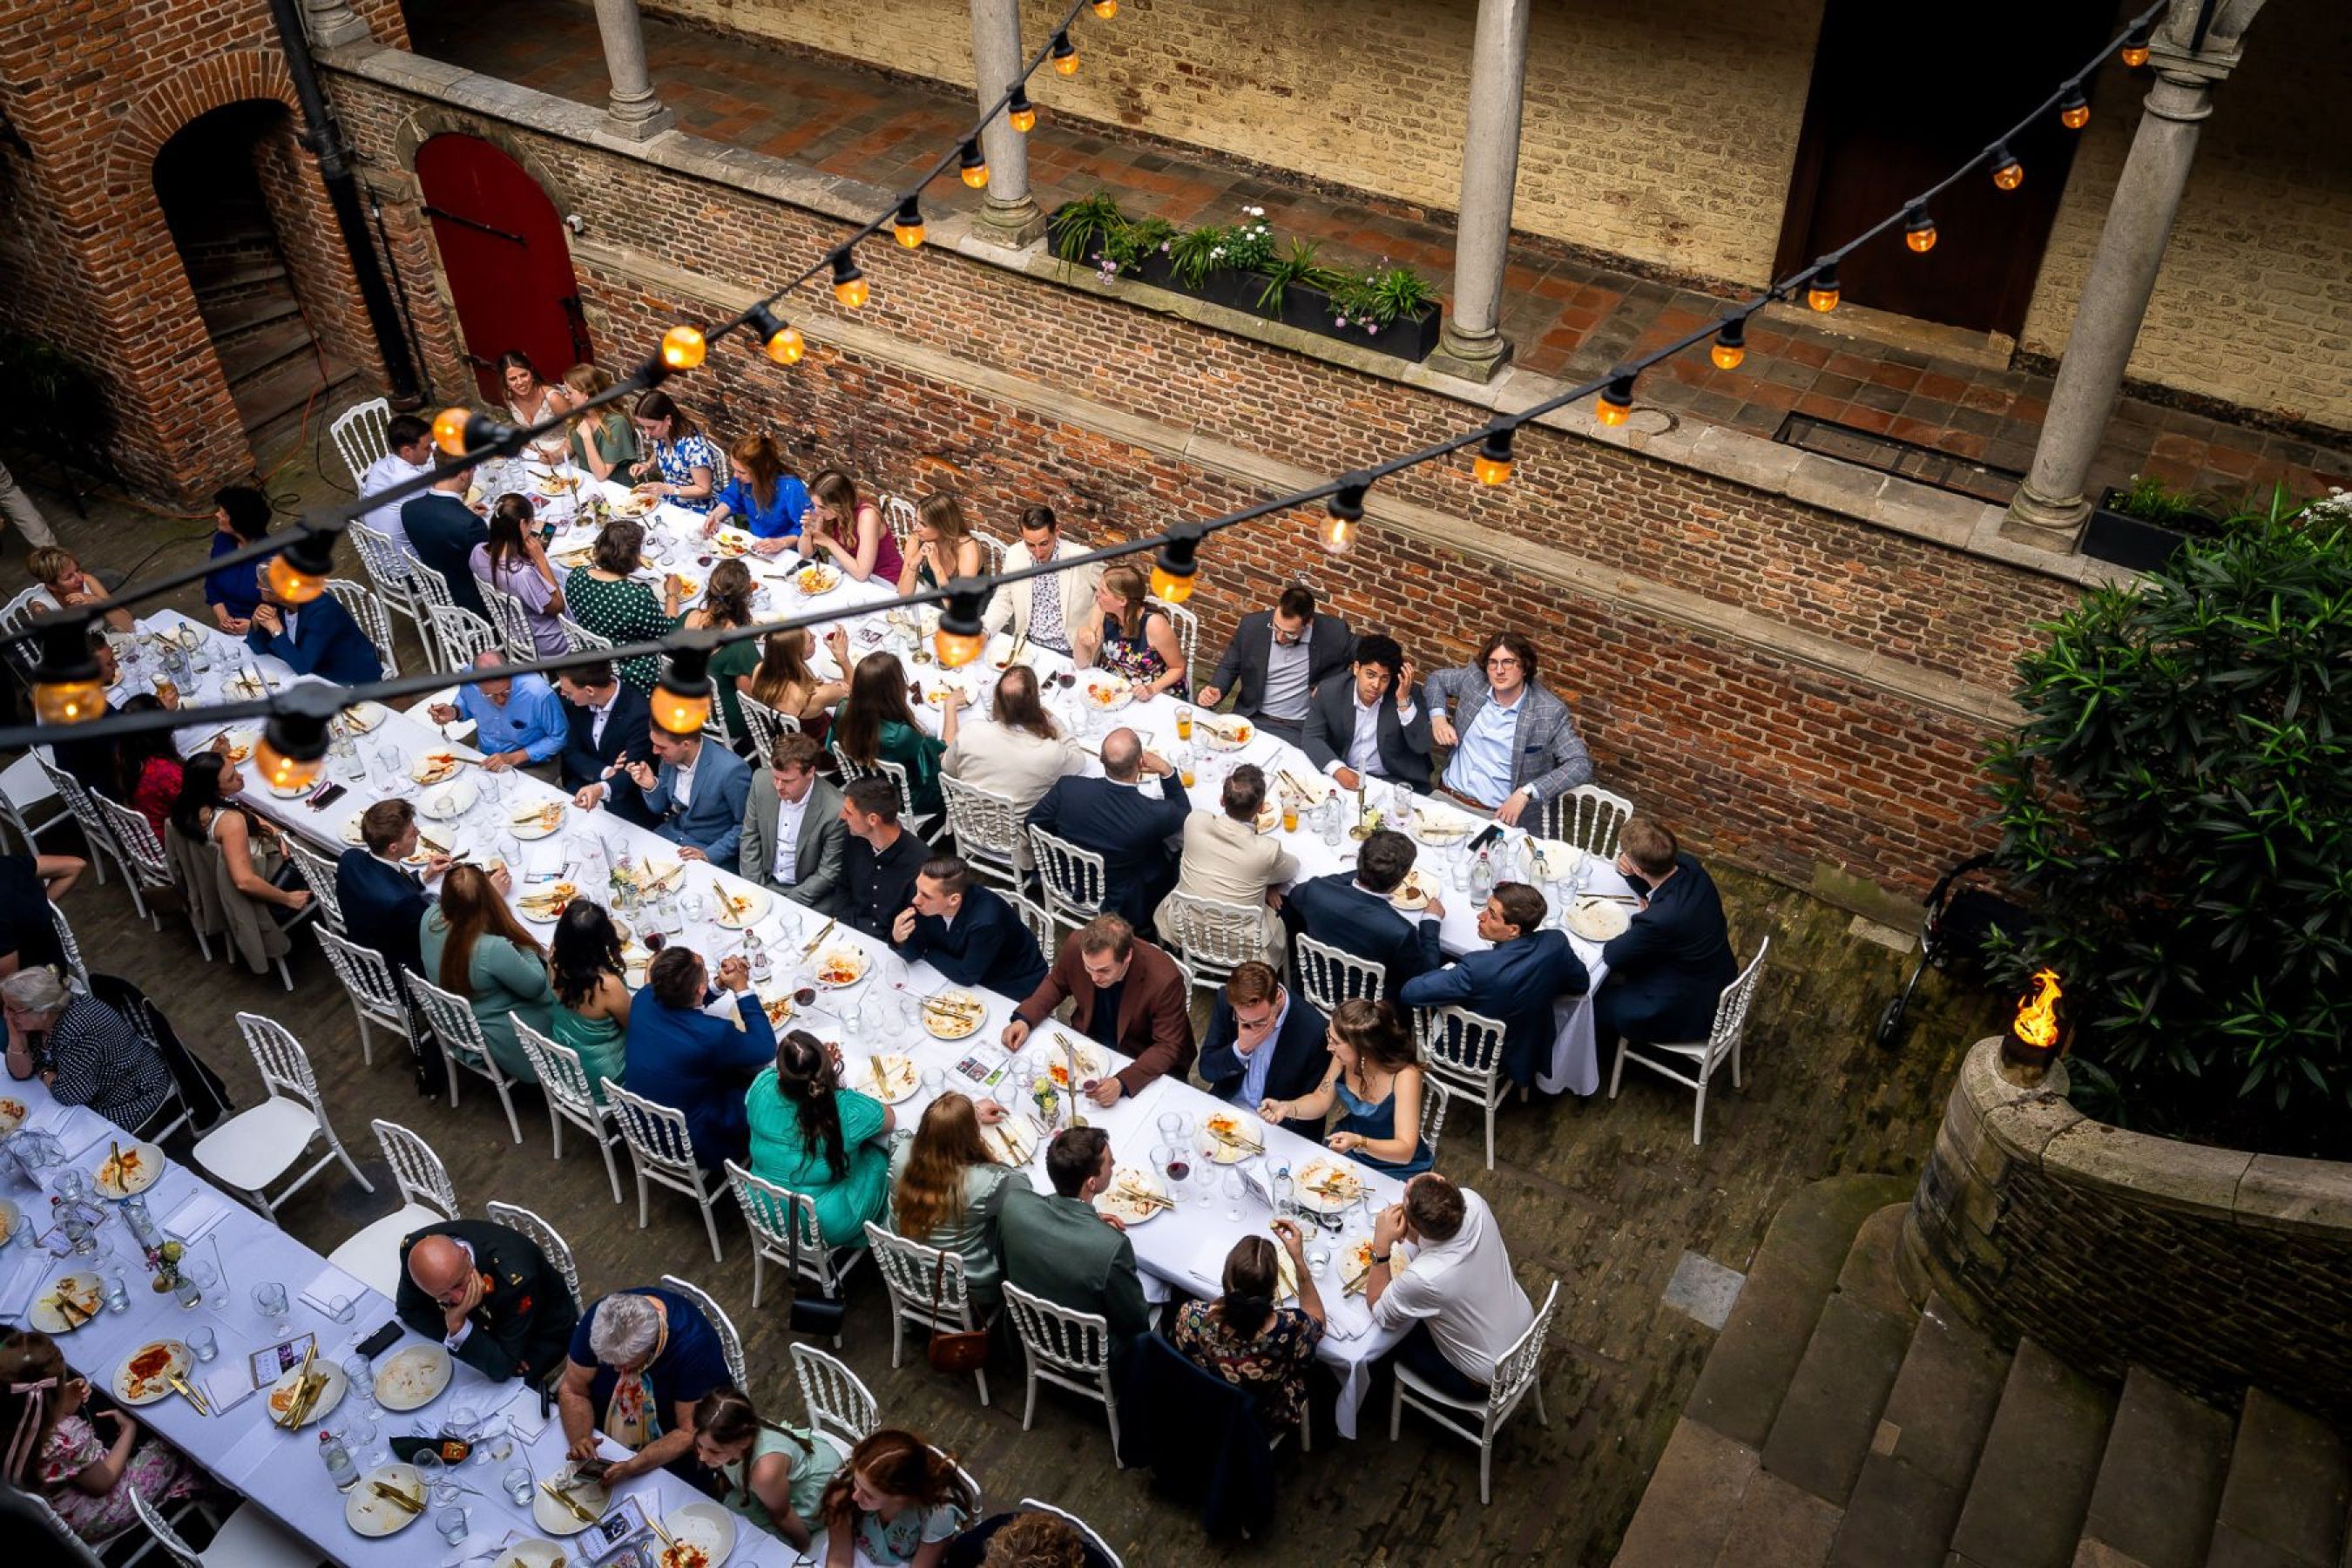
(1184, 768)
(1183, 725)
(1290, 816)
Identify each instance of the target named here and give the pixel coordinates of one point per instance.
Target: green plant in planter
(1129, 247)
(1379, 297)
(1249, 244)
(1080, 231)
(56, 405)
(2282, 505)
(1197, 252)
(1298, 264)
(2150, 500)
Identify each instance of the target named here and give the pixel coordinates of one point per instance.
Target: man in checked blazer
(1514, 743)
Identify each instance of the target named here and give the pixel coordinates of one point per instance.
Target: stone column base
(332, 26)
(1011, 224)
(640, 121)
(2054, 525)
(1473, 356)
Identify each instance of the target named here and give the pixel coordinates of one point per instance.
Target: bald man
(489, 1295)
(1137, 831)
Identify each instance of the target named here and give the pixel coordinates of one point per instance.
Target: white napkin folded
(524, 1417)
(198, 1217)
(228, 1385)
(331, 1282)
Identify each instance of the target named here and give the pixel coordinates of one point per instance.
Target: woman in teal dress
(592, 992)
(470, 945)
(1376, 1084)
(810, 1135)
(775, 1474)
(875, 724)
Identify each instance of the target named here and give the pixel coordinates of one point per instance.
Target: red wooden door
(502, 247)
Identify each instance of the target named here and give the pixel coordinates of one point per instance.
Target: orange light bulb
(1336, 535)
(1490, 470)
(975, 176)
(2134, 54)
(787, 346)
(2009, 176)
(852, 293)
(683, 348)
(910, 235)
(450, 430)
(1106, 9)
(68, 701)
(956, 649)
(293, 584)
(280, 771)
(681, 712)
(1822, 296)
(1175, 587)
(1727, 356)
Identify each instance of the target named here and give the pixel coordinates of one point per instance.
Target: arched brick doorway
(504, 254)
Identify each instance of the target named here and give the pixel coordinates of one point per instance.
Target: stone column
(332, 22)
(1008, 216)
(635, 111)
(2051, 506)
(1471, 342)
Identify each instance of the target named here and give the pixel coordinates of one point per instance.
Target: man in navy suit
(1515, 981)
(383, 900)
(1373, 725)
(610, 724)
(696, 799)
(1263, 1042)
(442, 533)
(1277, 658)
(1355, 914)
(1668, 970)
(317, 638)
(1139, 837)
(969, 932)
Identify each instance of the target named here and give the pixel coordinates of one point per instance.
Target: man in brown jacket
(1127, 994)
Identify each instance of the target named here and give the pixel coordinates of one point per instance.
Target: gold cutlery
(1236, 1140)
(395, 1495)
(818, 941)
(567, 1500)
(181, 1387)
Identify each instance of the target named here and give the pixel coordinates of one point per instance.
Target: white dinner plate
(11, 1114)
(1415, 892)
(1221, 734)
(953, 1014)
(896, 1081)
(1329, 1186)
(706, 1525)
(1105, 691)
(448, 802)
(741, 910)
(140, 1166)
(816, 579)
(557, 1519)
(148, 1387)
(839, 968)
(1598, 920)
(1240, 1129)
(437, 767)
(535, 822)
(10, 1218)
(1356, 1262)
(371, 1515)
(531, 1554)
(1122, 1200)
(83, 1293)
(413, 1377)
(331, 1394)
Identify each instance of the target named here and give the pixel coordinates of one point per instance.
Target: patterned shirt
(626, 610)
(678, 459)
(1272, 1366)
(1046, 625)
(102, 1062)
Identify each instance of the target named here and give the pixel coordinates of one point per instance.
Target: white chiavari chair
(662, 1150)
(1072, 876)
(261, 1143)
(72, 949)
(1465, 1050)
(144, 865)
(388, 566)
(1210, 935)
(95, 831)
(899, 513)
(512, 621)
(318, 872)
(928, 1288)
(462, 637)
(543, 1236)
(246, 1538)
(1589, 817)
(1693, 1063)
(785, 1230)
(426, 1198)
(25, 788)
(366, 608)
(1067, 1348)
(463, 1046)
(377, 999)
(570, 1096)
(1188, 631)
(581, 640)
(1329, 974)
(360, 436)
(1517, 1374)
(731, 1342)
(839, 1404)
(988, 830)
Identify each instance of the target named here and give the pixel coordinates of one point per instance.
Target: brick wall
(1663, 133)
(2251, 306)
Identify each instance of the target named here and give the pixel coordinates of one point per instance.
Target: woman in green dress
(875, 725)
(944, 1184)
(605, 598)
(592, 992)
(605, 442)
(811, 1136)
(471, 945)
(774, 1473)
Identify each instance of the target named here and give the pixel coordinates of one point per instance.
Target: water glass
(340, 1309)
(518, 1485)
(1236, 1189)
(203, 1344)
(118, 1294)
(934, 1081)
(269, 1301)
(451, 1523)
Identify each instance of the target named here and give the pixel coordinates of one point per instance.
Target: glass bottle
(1482, 877)
(756, 956)
(337, 1460)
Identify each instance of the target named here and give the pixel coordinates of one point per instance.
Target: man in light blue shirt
(1515, 742)
(519, 720)
(1260, 1045)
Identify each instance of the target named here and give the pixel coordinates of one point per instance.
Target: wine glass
(1237, 1187)
(269, 1301)
(1174, 1162)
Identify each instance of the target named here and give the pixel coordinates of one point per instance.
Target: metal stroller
(1960, 922)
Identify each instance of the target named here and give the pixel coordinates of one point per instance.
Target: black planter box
(2128, 541)
(1304, 306)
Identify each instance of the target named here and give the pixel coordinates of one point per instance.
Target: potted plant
(2141, 525)
(1392, 307)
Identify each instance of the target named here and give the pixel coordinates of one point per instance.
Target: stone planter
(2132, 541)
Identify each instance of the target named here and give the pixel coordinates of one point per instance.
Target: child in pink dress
(56, 1446)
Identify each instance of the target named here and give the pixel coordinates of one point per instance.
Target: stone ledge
(2157, 1172)
(2310, 1197)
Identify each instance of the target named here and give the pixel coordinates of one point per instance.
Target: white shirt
(1286, 669)
(789, 812)
(382, 474)
(598, 714)
(1464, 1290)
(290, 617)
(681, 783)
(1363, 749)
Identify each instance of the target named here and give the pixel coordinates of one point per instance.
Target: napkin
(196, 1219)
(1345, 1317)
(332, 1282)
(17, 1296)
(228, 1383)
(524, 1417)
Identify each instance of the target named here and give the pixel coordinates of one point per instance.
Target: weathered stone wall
(2217, 1269)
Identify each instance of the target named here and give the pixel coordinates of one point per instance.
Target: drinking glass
(269, 1301)
(433, 1470)
(934, 1081)
(1237, 1188)
(1173, 1167)
(209, 1279)
(451, 1523)
(72, 1185)
(118, 1294)
(1173, 1127)
(340, 1309)
(203, 1344)
(518, 1485)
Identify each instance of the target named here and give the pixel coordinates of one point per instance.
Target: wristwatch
(1381, 1259)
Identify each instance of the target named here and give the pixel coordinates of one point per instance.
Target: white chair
(988, 830)
(247, 1538)
(366, 607)
(25, 788)
(570, 1096)
(1068, 1349)
(1073, 879)
(463, 1046)
(1516, 1374)
(94, 829)
(360, 433)
(899, 513)
(259, 1145)
(374, 992)
(72, 948)
(582, 640)
(1329, 975)
(67, 1547)
(927, 1287)
(1465, 1050)
(17, 613)
(513, 622)
(785, 1230)
(991, 552)
(1188, 631)
(543, 1236)
(1701, 1058)
(762, 725)
(1589, 817)
(1210, 935)
(318, 872)
(388, 567)
(463, 635)
(839, 1404)
(663, 1152)
(1040, 924)
(853, 770)
(730, 1343)
(373, 1257)
(1087, 1533)
(144, 866)
(430, 591)
(1437, 1099)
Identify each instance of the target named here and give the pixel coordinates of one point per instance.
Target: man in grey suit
(1060, 1248)
(1278, 657)
(1515, 744)
(793, 840)
(1373, 725)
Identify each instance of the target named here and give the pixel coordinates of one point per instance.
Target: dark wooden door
(502, 247)
(1901, 94)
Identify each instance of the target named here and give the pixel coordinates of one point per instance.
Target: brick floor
(1568, 317)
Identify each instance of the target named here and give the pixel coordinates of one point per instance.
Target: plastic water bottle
(338, 1459)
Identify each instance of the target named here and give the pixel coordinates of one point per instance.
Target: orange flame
(2037, 1016)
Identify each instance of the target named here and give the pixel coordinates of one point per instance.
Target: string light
(848, 284)
(1065, 58)
(1019, 112)
(683, 348)
(961, 637)
(682, 696)
(1342, 512)
(2074, 109)
(1106, 9)
(1730, 344)
(1919, 231)
(1177, 570)
(458, 431)
(2134, 50)
(1821, 293)
(1616, 404)
(907, 226)
(299, 574)
(2007, 173)
(292, 749)
(1492, 465)
(779, 339)
(974, 166)
(67, 686)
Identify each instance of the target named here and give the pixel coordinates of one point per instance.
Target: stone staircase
(247, 303)
(1835, 1424)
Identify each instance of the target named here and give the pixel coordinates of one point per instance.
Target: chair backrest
(386, 565)
(431, 588)
(452, 1017)
(1188, 631)
(367, 976)
(1041, 925)
(1437, 1099)
(1087, 1533)
(991, 552)
(839, 1402)
(1456, 1040)
(1516, 1368)
(463, 634)
(142, 851)
(66, 940)
(1212, 935)
(360, 433)
(367, 608)
(1073, 1341)
(1073, 876)
(17, 613)
(730, 1343)
(561, 1072)
(1731, 1007)
(513, 621)
(285, 1067)
(415, 1168)
(544, 1236)
(580, 637)
(762, 725)
(656, 1133)
(987, 826)
(917, 1275)
(853, 770)
(178, 1550)
(1589, 817)
(93, 822)
(899, 513)
(1329, 974)
(319, 874)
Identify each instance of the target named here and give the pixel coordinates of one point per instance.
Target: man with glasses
(1277, 660)
(1515, 744)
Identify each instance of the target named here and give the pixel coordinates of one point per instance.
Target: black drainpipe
(321, 135)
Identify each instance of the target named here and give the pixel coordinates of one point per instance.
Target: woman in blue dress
(1375, 1084)
(683, 464)
(763, 496)
(240, 516)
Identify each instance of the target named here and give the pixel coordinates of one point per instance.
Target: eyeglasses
(1502, 662)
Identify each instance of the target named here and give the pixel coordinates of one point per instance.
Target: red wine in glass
(654, 941)
(1180, 1169)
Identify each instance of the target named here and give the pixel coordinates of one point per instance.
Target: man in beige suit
(1044, 610)
(1228, 859)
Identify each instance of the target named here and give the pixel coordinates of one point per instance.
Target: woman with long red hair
(471, 944)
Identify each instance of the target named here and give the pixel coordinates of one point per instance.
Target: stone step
(252, 356)
(263, 403)
(1924, 1451)
(1746, 1373)
(1823, 1428)
(238, 277)
(234, 325)
(2284, 1499)
(2033, 1475)
(2159, 1480)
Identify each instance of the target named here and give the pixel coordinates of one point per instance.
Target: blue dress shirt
(1260, 1062)
(1481, 768)
(532, 722)
(779, 519)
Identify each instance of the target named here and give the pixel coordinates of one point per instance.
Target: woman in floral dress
(685, 466)
(84, 1467)
(1133, 637)
(1245, 1339)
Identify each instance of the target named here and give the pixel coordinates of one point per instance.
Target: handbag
(811, 1312)
(953, 1349)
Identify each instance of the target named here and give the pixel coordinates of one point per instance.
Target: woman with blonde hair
(899, 1500)
(787, 683)
(945, 548)
(682, 462)
(1134, 638)
(762, 493)
(849, 528)
(945, 1186)
(471, 945)
(56, 1451)
(604, 442)
(776, 1473)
